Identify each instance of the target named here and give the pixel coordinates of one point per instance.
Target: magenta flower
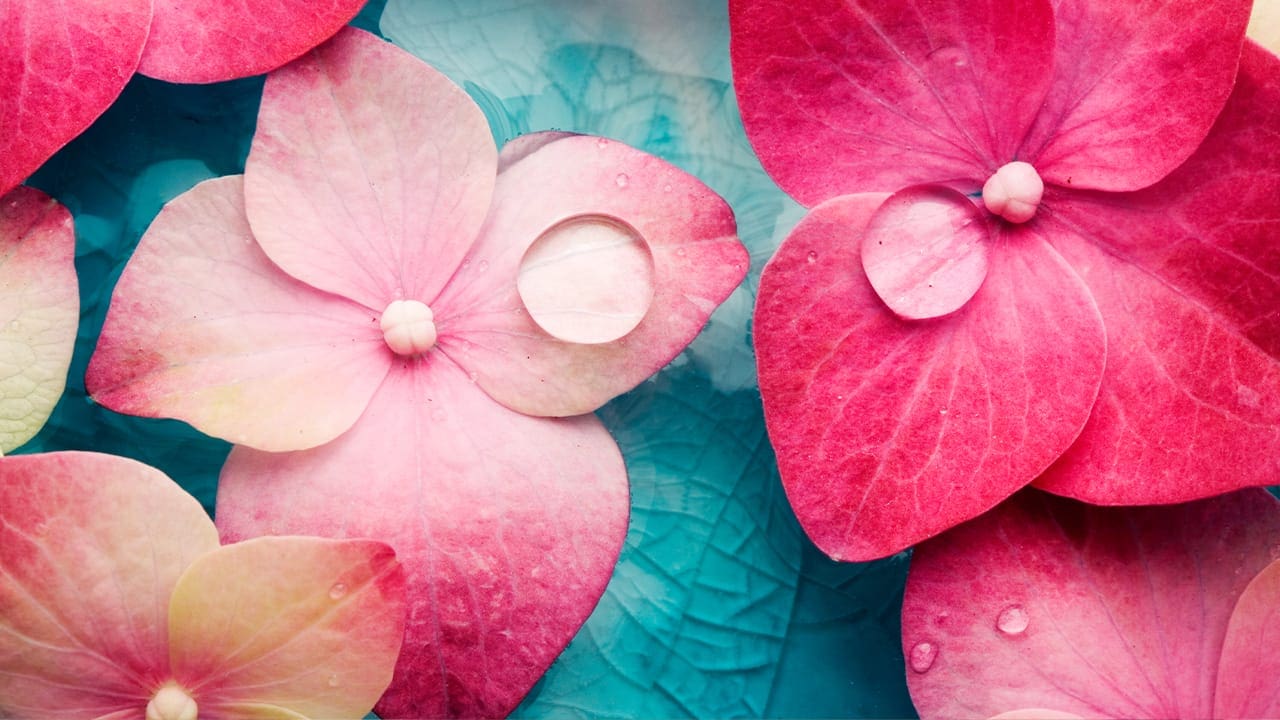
(118, 604)
(1058, 609)
(405, 333)
(1041, 248)
(63, 63)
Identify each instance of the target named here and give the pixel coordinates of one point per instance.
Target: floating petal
(598, 264)
(309, 625)
(1247, 684)
(508, 528)
(91, 547)
(370, 173)
(1113, 627)
(889, 431)
(204, 328)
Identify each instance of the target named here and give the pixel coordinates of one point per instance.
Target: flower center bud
(171, 703)
(408, 327)
(1014, 192)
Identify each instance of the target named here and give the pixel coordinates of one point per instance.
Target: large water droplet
(588, 279)
(922, 656)
(338, 591)
(1012, 620)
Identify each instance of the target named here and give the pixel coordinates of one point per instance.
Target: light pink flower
(406, 332)
(1041, 248)
(118, 603)
(1046, 605)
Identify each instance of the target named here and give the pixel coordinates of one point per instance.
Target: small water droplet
(680, 252)
(1013, 620)
(813, 256)
(602, 142)
(922, 656)
(484, 265)
(333, 681)
(622, 180)
(666, 188)
(337, 591)
(943, 411)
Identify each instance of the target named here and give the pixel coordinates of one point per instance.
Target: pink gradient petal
(489, 321)
(1036, 714)
(39, 310)
(1187, 276)
(925, 251)
(61, 65)
(200, 41)
(91, 547)
(1137, 87)
(508, 528)
(842, 96)
(307, 624)
(1247, 684)
(370, 172)
(204, 328)
(1101, 612)
(889, 431)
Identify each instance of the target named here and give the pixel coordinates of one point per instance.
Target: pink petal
(306, 624)
(1101, 612)
(61, 65)
(1187, 276)
(91, 547)
(39, 310)
(889, 431)
(1036, 714)
(842, 96)
(1247, 685)
(200, 41)
(370, 172)
(508, 527)
(204, 328)
(598, 264)
(925, 251)
(1137, 88)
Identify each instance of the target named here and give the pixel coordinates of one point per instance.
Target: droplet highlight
(622, 180)
(338, 591)
(922, 656)
(1013, 620)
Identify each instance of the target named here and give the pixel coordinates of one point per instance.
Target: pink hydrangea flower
(1041, 248)
(119, 603)
(63, 63)
(1047, 608)
(405, 333)
(39, 310)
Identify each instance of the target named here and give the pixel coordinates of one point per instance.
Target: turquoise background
(719, 606)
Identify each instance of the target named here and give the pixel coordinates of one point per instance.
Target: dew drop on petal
(812, 256)
(338, 591)
(622, 180)
(922, 656)
(1012, 620)
(333, 681)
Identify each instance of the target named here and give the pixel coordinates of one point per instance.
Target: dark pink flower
(406, 332)
(1042, 247)
(1045, 605)
(63, 63)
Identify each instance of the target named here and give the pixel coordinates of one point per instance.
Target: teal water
(719, 606)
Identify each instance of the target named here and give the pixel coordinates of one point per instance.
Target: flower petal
(61, 65)
(204, 328)
(370, 173)
(841, 97)
(1138, 87)
(889, 431)
(508, 527)
(39, 310)
(1187, 277)
(307, 624)
(1247, 686)
(1101, 612)
(91, 547)
(925, 251)
(201, 41)
(598, 264)
(1264, 24)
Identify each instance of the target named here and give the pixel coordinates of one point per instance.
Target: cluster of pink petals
(1048, 608)
(1041, 248)
(119, 603)
(63, 63)
(405, 333)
